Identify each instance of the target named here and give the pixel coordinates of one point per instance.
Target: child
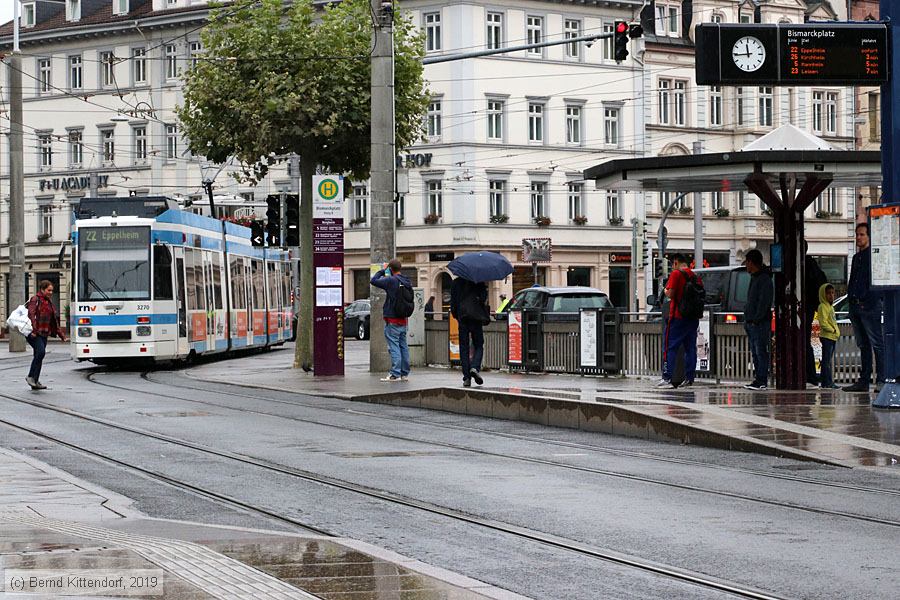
(828, 334)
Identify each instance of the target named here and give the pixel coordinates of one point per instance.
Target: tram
(152, 281)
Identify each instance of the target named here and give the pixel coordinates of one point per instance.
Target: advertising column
(328, 266)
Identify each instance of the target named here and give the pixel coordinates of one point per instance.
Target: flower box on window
(432, 219)
(685, 210)
(357, 221)
(768, 211)
(615, 221)
(722, 212)
(499, 218)
(542, 221)
(43, 237)
(580, 220)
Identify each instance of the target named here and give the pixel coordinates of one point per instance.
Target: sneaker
(404, 378)
(857, 387)
(476, 376)
(687, 384)
(756, 386)
(467, 382)
(390, 378)
(665, 384)
(39, 386)
(31, 382)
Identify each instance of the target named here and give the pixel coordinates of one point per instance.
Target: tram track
(675, 573)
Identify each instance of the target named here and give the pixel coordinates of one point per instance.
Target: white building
(508, 136)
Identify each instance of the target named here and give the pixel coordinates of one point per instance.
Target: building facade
(506, 137)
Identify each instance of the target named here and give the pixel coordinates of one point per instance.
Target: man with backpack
(686, 302)
(468, 305)
(398, 306)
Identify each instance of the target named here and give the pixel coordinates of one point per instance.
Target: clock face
(748, 54)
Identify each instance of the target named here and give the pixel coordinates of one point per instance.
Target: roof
(788, 137)
(558, 291)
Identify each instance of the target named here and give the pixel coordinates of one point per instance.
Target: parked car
(726, 292)
(557, 300)
(356, 319)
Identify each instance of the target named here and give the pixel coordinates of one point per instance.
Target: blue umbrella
(480, 266)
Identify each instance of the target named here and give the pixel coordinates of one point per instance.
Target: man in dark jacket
(813, 279)
(390, 279)
(468, 306)
(758, 317)
(865, 313)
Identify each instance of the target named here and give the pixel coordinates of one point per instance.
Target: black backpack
(693, 297)
(404, 301)
(473, 306)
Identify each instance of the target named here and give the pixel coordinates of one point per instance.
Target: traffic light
(291, 220)
(635, 30)
(660, 268)
(273, 220)
(621, 38)
(645, 246)
(257, 233)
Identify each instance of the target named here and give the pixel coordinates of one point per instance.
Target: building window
(745, 16)
(765, 106)
(497, 199)
(494, 30)
(611, 126)
(360, 204)
(171, 61)
(433, 119)
(45, 150)
(739, 105)
(874, 114)
(831, 109)
(432, 32)
(76, 148)
(495, 119)
(668, 19)
(108, 145)
(400, 208)
(608, 42)
(535, 122)
(28, 15)
(107, 73)
(76, 79)
(121, 7)
(140, 144)
(716, 201)
(716, 17)
(679, 98)
(573, 124)
(575, 194)
(741, 201)
(538, 199)
(73, 10)
(46, 220)
(171, 142)
(44, 75)
(139, 65)
(572, 29)
(435, 199)
(613, 207)
(664, 98)
(195, 49)
(666, 197)
(817, 111)
(715, 106)
(534, 34)
(827, 202)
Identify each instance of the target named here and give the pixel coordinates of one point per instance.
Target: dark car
(356, 319)
(558, 300)
(726, 291)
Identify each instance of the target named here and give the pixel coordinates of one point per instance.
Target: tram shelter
(787, 169)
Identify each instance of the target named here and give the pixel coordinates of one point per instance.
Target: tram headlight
(84, 332)
(143, 330)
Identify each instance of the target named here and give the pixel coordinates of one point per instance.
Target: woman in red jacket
(44, 323)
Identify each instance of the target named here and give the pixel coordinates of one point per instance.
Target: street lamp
(209, 171)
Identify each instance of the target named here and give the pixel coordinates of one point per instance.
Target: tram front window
(114, 263)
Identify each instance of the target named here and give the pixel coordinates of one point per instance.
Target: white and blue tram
(155, 282)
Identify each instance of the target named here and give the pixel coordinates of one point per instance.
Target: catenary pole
(890, 186)
(17, 290)
(382, 181)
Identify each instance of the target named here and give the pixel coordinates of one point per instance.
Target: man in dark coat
(468, 305)
(758, 318)
(865, 313)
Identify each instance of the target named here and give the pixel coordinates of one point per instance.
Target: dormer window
(28, 15)
(120, 7)
(73, 10)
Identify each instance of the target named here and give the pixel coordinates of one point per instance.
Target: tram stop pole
(889, 397)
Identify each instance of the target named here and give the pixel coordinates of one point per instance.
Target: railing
(642, 348)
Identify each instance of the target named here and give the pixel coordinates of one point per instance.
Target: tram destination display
(114, 238)
(786, 54)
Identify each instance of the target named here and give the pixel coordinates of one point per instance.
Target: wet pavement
(829, 426)
(52, 522)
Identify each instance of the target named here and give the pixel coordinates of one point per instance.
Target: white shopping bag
(19, 321)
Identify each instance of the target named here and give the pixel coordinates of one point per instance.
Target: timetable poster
(885, 242)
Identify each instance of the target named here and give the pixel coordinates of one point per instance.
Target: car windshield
(114, 263)
(575, 302)
(715, 283)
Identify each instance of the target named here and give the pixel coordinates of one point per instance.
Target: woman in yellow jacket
(828, 334)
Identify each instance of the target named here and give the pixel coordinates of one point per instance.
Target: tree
(277, 79)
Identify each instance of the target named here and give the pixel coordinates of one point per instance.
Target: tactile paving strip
(214, 573)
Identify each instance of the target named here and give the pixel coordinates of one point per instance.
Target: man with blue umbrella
(469, 306)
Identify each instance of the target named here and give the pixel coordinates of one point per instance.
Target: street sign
(785, 54)
(328, 266)
(536, 250)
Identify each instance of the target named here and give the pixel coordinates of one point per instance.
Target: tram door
(210, 304)
(183, 344)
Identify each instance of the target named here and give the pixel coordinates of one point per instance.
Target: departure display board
(785, 54)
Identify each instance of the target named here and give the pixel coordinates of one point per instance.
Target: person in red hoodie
(44, 323)
(679, 331)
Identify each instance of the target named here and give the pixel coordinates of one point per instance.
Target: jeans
(759, 336)
(826, 378)
(39, 344)
(678, 332)
(397, 348)
(476, 330)
(866, 321)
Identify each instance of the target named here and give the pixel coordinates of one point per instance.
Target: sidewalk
(52, 522)
(822, 425)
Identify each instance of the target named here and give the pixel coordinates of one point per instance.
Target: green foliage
(277, 79)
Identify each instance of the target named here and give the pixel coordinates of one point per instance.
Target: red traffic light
(621, 27)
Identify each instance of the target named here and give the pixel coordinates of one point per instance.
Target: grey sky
(6, 11)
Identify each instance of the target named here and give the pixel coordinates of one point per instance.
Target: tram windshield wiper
(94, 285)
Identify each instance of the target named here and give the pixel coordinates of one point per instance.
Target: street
(543, 512)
